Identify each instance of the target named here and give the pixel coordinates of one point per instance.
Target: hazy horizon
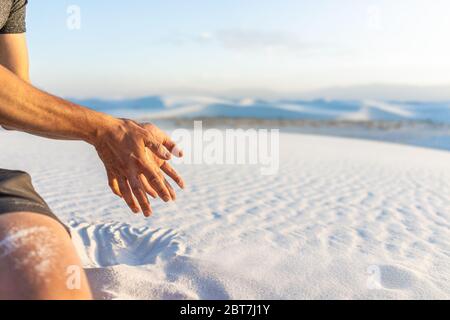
(382, 92)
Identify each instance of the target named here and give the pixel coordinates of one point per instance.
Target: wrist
(100, 127)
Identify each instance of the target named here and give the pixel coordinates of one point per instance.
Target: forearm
(25, 108)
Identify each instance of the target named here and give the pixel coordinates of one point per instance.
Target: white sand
(343, 219)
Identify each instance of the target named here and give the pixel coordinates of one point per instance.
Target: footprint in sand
(111, 244)
(391, 277)
(396, 278)
(114, 254)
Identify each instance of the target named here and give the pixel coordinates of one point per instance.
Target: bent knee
(10, 222)
(35, 256)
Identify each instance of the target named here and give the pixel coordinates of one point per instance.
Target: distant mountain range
(199, 107)
(385, 92)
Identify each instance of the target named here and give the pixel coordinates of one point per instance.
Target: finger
(167, 169)
(114, 185)
(159, 150)
(147, 187)
(128, 195)
(141, 196)
(173, 148)
(171, 191)
(153, 178)
(157, 184)
(177, 152)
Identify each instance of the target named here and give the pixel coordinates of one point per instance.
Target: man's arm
(14, 57)
(26, 108)
(14, 75)
(14, 54)
(121, 144)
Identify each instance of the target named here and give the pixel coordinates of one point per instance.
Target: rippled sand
(343, 219)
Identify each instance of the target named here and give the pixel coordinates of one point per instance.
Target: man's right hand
(133, 172)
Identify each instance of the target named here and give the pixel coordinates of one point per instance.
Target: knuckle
(151, 177)
(157, 146)
(148, 126)
(140, 163)
(155, 180)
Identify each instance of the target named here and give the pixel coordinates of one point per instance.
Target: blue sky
(138, 47)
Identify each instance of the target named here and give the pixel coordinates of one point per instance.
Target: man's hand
(134, 156)
(121, 144)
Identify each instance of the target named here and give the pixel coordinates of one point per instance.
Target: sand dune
(163, 107)
(342, 219)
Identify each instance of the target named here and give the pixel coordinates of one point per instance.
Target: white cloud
(256, 40)
(250, 40)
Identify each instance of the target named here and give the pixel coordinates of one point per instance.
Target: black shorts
(17, 194)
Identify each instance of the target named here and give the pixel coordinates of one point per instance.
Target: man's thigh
(38, 259)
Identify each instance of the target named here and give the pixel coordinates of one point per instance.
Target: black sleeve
(16, 19)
